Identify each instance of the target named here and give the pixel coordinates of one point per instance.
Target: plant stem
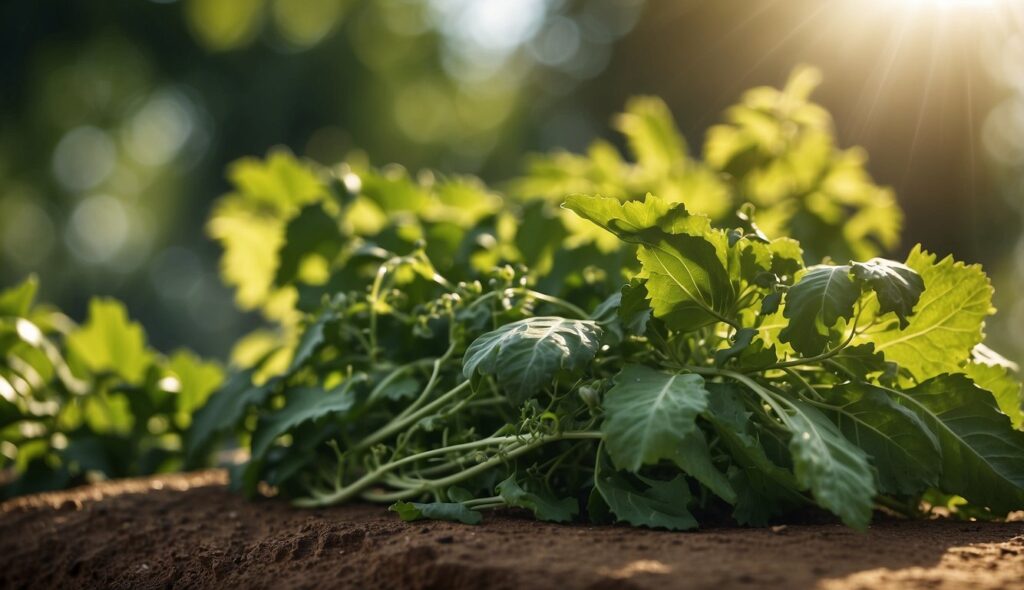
(578, 312)
(403, 421)
(517, 444)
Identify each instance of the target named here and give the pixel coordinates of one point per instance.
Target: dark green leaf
(822, 296)
(225, 410)
(837, 472)
(541, 503)
(982, 455)
(896, 285)
(412, 511)
(302, 405)
(740, 341)
(634, 311)
(525, 356)
(649, 413)
(661, 504)
(764, 490)
(901, 447)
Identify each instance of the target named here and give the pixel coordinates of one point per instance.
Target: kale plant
(654, 342)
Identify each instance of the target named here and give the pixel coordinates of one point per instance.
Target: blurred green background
(118, 118)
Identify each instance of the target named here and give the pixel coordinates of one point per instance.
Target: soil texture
(189, 531)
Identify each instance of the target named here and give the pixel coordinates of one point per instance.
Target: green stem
(578, 312)
(518, 447)
(403, 421)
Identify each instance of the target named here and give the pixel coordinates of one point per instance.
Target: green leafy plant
(649, 356)
(89, 401)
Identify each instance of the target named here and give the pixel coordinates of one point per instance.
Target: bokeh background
(117, 118)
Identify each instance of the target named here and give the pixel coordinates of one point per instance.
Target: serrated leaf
(947, 321)
(662, 504)
(109, 343)
(453, 512)
(543, 505)
(682, 259)
(822, 296)
(901, 447)
(896, 285)
(525, 356)
(302, 405)
(982, 455)
(649, 413)
(686, 284)
(825, 462)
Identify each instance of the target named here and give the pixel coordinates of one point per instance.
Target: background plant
(90, 401)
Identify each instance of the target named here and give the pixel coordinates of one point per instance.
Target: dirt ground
(189, 531)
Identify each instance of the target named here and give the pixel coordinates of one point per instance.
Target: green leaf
(649, 413)
(652, 135)
(764, 490)
(634, 312)
(542, 504)
(837, 472)
(311, 233)
(822, 296)
(412, 511)
(525, 356)
(683, 259)
(982, 455)
(662, 504)
(693, 456)
(197, 380)
(901, 447)
(109, 343)
(857, 361)
(225, 410)
(17, 301)
(1005, 387)
(740, 341)
(947, 321)
(302, 405)
(311, 341)
(687, 285)
(628, 220)
(787, 256)
(896, 285)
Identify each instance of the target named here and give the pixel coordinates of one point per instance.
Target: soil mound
(188, 531)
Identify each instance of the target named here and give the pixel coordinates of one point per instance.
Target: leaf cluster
(619, 341)
(90, 401)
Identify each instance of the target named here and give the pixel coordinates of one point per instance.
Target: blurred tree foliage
(120, 117)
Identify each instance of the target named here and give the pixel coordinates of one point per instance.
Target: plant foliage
(653, 342)
(80, 402)
(656, 341)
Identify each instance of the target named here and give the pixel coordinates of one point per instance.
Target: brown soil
(189, 531)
